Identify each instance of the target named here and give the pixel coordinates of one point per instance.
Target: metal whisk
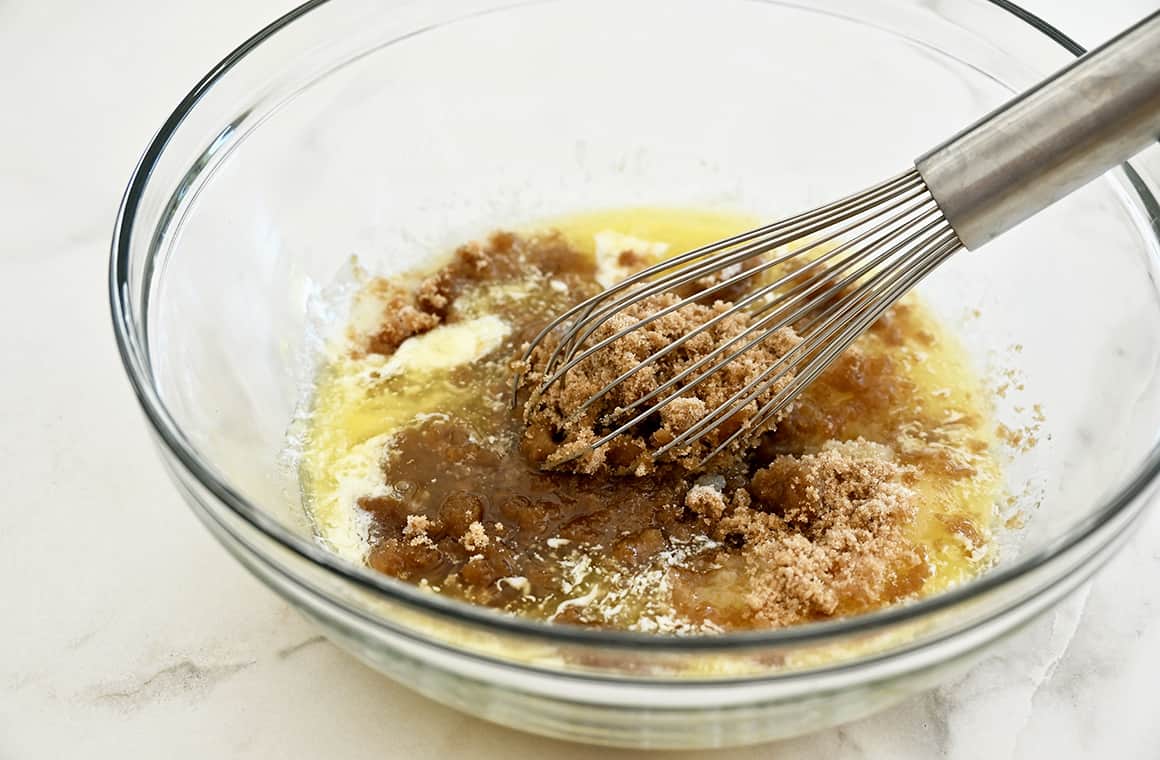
(834, 270)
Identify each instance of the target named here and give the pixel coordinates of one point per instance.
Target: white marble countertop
(125, 630)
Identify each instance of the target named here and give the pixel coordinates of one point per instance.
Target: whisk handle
(1050, 140)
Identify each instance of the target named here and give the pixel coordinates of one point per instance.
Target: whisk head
(828, 273)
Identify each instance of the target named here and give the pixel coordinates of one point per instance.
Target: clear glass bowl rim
(133, 349)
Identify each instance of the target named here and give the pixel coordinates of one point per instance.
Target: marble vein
(185, 677)
(1070, 624)
(937, 712)
(294, 649)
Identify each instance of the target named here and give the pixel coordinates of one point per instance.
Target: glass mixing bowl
(392, 133)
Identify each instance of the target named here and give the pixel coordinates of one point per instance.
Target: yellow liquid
(949, 393)
(354, 412)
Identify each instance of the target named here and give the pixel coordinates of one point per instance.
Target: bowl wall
(392, 134)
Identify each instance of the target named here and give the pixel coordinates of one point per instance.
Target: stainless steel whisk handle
(1050, 140)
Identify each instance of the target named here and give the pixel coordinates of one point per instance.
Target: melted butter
(945, 427)
(680, 229)
(354, 413)
(360, 401)
(946, 413)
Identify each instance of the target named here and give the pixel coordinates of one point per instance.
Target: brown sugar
(475, 538)
(825, 534)
(808, 521)
(504, 256)
(553, 415)
(415, 530)
(706, 501)
(401, 319)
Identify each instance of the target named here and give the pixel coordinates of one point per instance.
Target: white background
(125, 631)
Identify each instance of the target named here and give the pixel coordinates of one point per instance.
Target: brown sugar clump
(415, 531)
(401, 319)
(825, 534)
(475, 538)
(706, 501)
(504, 256)
(559, 438)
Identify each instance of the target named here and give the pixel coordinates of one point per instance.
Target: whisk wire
(591, 322)
(830, 352)
(899, 183)
(762, 327)
(848, 261)
(721, 261)
(827, 324)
